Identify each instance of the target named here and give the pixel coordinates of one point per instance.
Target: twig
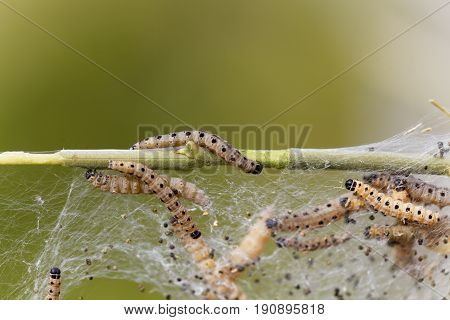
(187, 158)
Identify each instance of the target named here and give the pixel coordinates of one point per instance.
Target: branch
(192, 157)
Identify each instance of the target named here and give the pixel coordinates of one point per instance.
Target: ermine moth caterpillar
(389, 206)
(250, 247)
(206, 140)
(132, 185)
(300, 244)
(418, 190)
(54, 284)
(318, 216)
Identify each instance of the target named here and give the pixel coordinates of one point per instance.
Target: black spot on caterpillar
(206, 140)
(417, 189)
(389, 206)
(185, 230)
(317, 217)
(54, 284)
(132, 185)
(313, 244)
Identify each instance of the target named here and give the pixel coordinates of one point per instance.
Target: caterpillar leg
(212, 142)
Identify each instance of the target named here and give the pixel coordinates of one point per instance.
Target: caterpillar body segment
(188, 191)
(418, 190)
(389, 206)
(206, 140)
(317, 217)
(299, 244)
(54, 284)
(128, 184)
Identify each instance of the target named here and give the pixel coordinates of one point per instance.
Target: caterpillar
(401, 237)
(206, 140)
(395, 233)
(250, 247)
(435, 237)
(319, 216)
(417, 189)
(133, 185)
(401, 210)
(312, 244)
(54, 284)
(184, 229)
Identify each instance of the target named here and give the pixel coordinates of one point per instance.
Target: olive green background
(212, 62)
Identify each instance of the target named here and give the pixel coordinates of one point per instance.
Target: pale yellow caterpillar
(418, 190)
(435, 237)
(317, 217)
(399, 233)
(250, 247)
(54, 284)
(389, 206)
(401, 237)
(220, 287)
(206, 140)
(132, 185)
(299, 244)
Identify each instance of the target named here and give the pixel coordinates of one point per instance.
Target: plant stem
(190, 157)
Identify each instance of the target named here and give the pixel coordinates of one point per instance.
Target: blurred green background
(215, 62)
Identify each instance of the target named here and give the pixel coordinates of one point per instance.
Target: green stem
(190, 157)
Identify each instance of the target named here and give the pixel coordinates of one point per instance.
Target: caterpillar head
(135, 146)
(196, 234)
(350, 184)
(400, 184)
(55, 273)
(271, 223)
(258, 168)
(280, 242)
(89, 173)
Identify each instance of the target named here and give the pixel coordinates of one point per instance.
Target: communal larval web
(53, 217)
